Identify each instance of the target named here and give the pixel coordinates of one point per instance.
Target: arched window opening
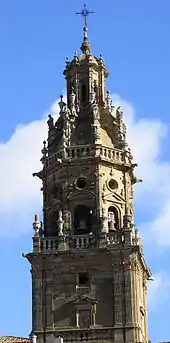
(82, 220)
(113, 219)
(83, 94)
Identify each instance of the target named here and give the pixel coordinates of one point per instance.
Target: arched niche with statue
(113, 219)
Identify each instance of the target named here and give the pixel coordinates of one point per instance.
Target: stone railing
(113, 238)
(49, 243)
(75, 242)
(86, 151)
(82, 241)
(70, 242)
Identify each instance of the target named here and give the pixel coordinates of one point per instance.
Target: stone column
(128, 295)
(117, 296)
(36, 302)
(49, 307)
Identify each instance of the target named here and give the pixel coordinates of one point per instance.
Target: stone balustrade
(87, 151)
(76, 241)
(48, 244)
(72, 242)
(82, 241)
(113, 238)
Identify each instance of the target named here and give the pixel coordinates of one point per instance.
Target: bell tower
(88, 270)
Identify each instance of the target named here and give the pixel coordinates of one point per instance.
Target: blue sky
(36, 36)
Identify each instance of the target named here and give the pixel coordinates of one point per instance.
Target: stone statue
(96, 88)
(72, 98)
(96, 133)
(36, 226)
(50, 122)
(67, 218)
(93, 94)
(111, 221)
(137, 238)
(119, 113)
(62, 104)
(60, 222)
(95, 112)
(108, 100)
(103, 221)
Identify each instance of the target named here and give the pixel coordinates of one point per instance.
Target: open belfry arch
(88, 270)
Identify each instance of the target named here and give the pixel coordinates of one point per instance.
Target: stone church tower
(88, 269)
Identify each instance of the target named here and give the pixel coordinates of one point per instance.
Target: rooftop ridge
(14, 339)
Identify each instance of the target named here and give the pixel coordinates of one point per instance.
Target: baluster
(83, 242)
(80, 242)
(77, 242)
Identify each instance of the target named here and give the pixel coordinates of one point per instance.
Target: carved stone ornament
(60, 222)
(36, 226)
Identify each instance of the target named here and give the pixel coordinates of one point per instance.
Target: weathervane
(85, 12)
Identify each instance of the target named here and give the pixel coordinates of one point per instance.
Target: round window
(113, 184)
(81, 182)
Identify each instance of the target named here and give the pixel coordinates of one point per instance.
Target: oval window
(112, 184)
(81, 183)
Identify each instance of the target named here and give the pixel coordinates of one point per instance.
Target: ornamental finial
(36, 225)
(85, 47)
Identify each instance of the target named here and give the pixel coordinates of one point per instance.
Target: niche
(83, 94)
(113, 219)
(82, 220)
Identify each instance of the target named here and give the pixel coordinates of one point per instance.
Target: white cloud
(20, 195)
(146, 138)
(158, 290)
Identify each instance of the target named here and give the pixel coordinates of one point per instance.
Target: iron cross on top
(85, 12)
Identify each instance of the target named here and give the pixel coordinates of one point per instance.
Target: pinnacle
(85, 47)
